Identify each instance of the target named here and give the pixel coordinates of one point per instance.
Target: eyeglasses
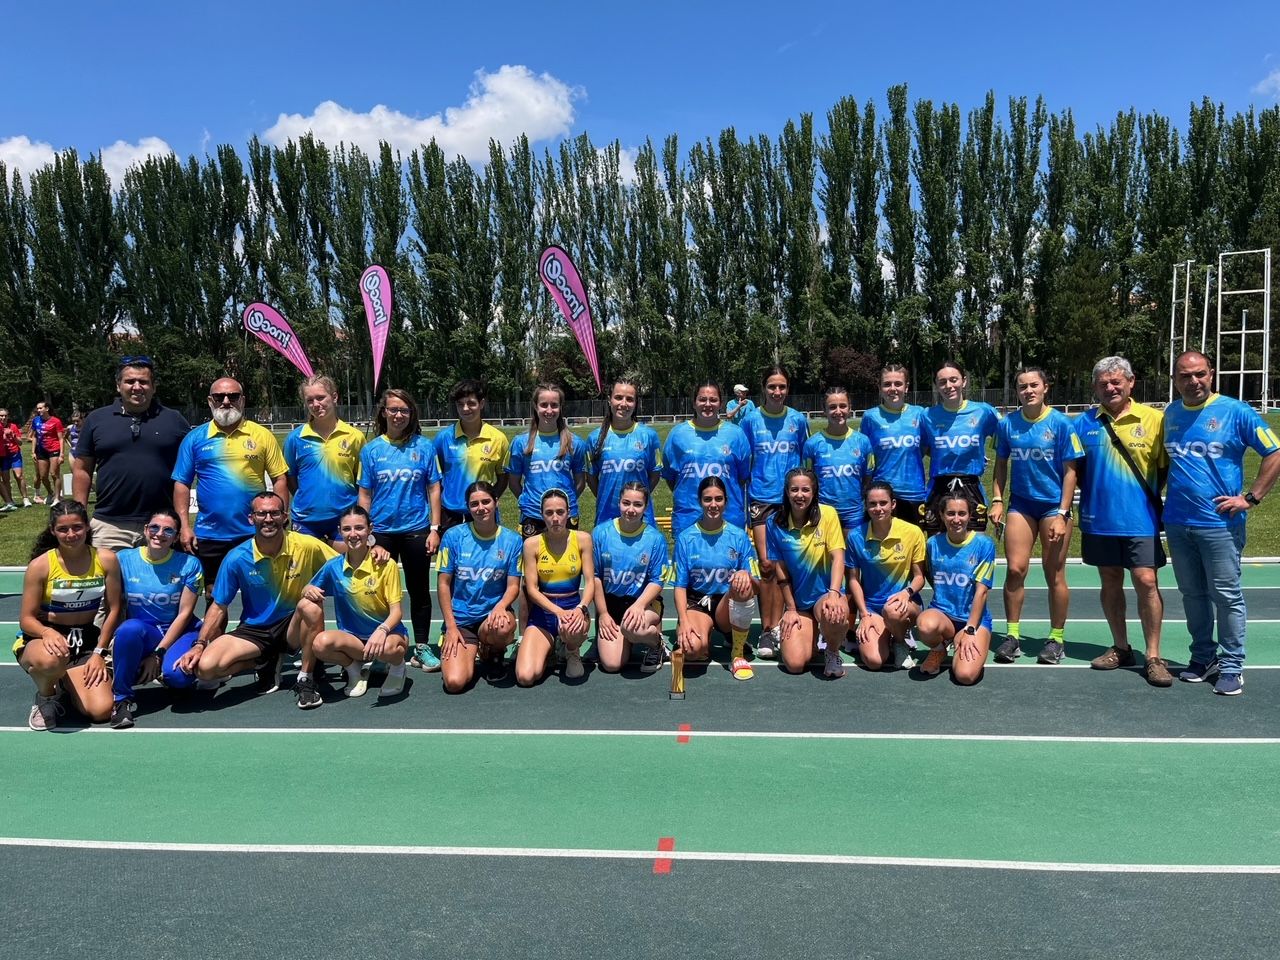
(135, 428)
(397, 411)
(138, 361)
(268, 514)
(228, 397)
(155, 530)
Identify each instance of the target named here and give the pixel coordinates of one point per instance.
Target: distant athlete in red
(46, 445)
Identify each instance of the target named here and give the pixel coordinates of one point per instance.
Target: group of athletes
(49, 439)
(828, 538)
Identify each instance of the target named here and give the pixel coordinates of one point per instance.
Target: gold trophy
(677, 674)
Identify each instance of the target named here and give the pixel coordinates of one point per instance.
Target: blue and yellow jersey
(463, 461)
(542, 469)
(625, 457)
(559, 573)
(735, 411)
(895, 442)
(1112, 501)
(1038, 451)
(153, 590)
(326, 471)
(707, 561)
(270, 587)
(807, 553)
(777, 444)
(691, 454)
(626, 564)
(884, 566)
(227, 468)
(955, 570)
(399, 478)
(956, 442)
(478, 568)
(841, 464)
(362, 596)
(1206, 447)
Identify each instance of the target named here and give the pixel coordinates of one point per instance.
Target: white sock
(303, 676)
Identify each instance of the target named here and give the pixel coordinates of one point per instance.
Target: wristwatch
(1064, 514)
(99, 651)
(971, 630)
(434, 528)
(1253, 501)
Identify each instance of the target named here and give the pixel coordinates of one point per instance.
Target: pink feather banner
(375, 288)
(265, 322)
(561, 279)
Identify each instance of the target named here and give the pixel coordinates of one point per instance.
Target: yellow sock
(737, 648)
(1014, 629)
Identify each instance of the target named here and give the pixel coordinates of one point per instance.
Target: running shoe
(1114, 658)
(653, 658)
(26, 501)
(1229, 684)
(903, 658)
(573, 668)
(741, 669)
(850, 645)
(424, 659)
(767, 648)
(393, 686)
(832, 665)
(45, 713)
(931, 666)
(1199, 672)
(7, 507)
(307, 694)
(1009, 651)
(268, 671)
(39, 500)
(495, 669)
(1157, 673)
(122, 715)
(1052, 652)
(357, 679)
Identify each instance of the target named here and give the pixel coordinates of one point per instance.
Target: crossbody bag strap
(1156, 503)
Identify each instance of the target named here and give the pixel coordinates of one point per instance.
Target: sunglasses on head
(229, 397)
(156, 530)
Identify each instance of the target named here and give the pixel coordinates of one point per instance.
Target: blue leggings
(134, 640)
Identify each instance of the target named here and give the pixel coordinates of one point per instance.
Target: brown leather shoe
(1113, 658)
(1158, 674)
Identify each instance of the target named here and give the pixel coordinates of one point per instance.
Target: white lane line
(692, 734)
(563, 853)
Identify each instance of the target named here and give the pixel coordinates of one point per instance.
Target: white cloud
(120, 156)
(500, 106)
(1269, 86)
(20, 153)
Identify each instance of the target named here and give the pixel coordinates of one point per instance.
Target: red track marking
(663, 864)
(684, 729)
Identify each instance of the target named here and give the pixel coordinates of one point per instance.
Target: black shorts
(532, 526)
(270, 640)
(43, 454)
(704, 602)
(1099, 550)
(618, 605)
(211, 553)
(81, 645)
(963, 484)
(450, 519)
(911, 511)
(759, 512)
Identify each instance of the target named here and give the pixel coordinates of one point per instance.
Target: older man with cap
(1120, 509)
(739, 406)
(1206, 436)
(132, 444)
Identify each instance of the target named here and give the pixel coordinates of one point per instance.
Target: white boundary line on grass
(565, 853)
(691, 734)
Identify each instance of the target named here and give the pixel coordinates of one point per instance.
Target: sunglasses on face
(155, 530)
(228, 397)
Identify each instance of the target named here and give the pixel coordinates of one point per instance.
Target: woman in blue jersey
(324, 462)
(478, 583)
(560, 583)
(631, 568)
(884, 563)
(705, 446)
(400, 488)
(1044, 450)
(954, 435)
(807, 545)
(960, 565)
(161, 587)
(716, 581)
(548, 457)
(841, 460)
(894, 431)
(622, 451)
(68, 581)
(776, 434)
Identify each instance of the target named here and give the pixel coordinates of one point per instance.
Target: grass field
(18, 530)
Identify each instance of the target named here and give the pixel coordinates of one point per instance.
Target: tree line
(903, 231)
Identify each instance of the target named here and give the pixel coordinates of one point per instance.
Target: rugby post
(375, 288)
(265, 322)
(562, 281)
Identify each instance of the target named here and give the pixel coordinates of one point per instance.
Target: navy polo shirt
(133, 472)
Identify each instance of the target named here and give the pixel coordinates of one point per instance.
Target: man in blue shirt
(1206, 436)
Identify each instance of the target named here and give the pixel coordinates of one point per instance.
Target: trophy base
(675, 696)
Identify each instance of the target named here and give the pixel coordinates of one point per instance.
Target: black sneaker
(1052, 652)
(307, 694)
(1009, 651)
(268, 672)
(495, 669)
(122, 715)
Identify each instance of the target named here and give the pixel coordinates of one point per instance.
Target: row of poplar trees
(901, 231)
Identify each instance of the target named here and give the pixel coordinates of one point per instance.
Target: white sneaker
(833, 666)
(45, 713)
(394, 684)
(902, 656)
(573, 668)
(26, 501)
(358, 679)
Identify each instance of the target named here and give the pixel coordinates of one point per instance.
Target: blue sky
(133, 78)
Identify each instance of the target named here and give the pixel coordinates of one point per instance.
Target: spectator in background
(133, 445)
(46, 447)
(11, 461)
(740, 405)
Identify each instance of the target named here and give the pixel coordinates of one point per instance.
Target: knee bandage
(741, 613)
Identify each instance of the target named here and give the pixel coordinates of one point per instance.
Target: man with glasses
(268, 572)
(133, 445)
(226, 459)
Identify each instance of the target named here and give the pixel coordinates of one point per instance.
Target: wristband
(997, 499)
